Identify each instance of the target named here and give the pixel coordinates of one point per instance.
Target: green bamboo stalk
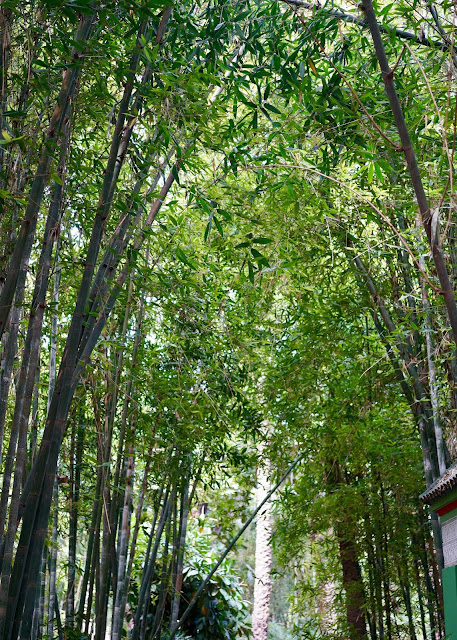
(117, 625)
(411, 161)
(52, 599)
(78, 434)
(108, 522)
(184, 516)
(149, 567)
(165, 573)
(39, 491)
(21, 252)
(90, 551)
(350, 18)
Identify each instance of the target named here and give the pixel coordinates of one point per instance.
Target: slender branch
(439, 28)
(352, 19)
(354, 93)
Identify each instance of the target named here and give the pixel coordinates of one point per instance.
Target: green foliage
(221, 612)
(243, 292)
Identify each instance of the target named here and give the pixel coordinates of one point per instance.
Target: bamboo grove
(227, 244)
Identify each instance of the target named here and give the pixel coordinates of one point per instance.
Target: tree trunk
(263, 559)
(352, 582)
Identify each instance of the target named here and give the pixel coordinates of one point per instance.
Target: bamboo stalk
(353, 19)
(117, 627)
(411, 161)
(39, 488)
(21, 251)
(180, 553)
(78, 433)
(150, 567)
(52, 599)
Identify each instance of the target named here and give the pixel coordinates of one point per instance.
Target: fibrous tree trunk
(353, 587)
(263, 559)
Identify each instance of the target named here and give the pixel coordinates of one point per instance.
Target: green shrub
(221, 613)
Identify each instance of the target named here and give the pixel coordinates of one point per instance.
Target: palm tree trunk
(352, 583)
(263, 559)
